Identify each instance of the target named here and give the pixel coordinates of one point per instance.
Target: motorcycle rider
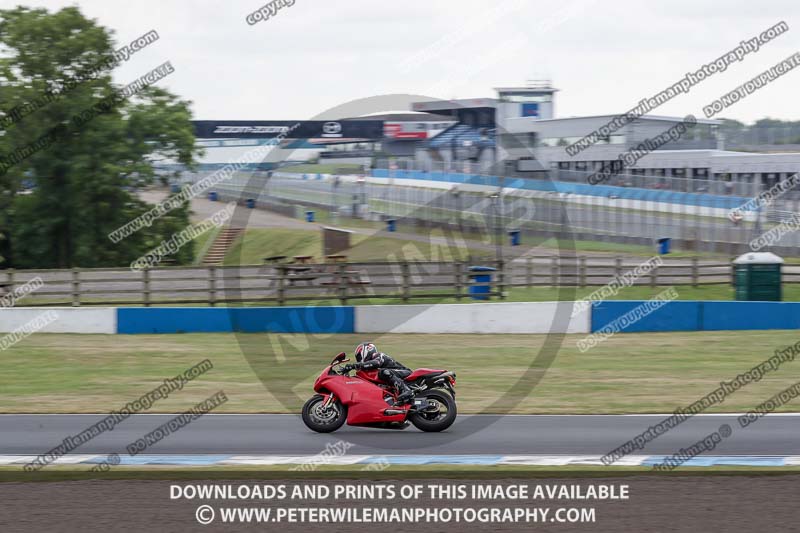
(391, 371)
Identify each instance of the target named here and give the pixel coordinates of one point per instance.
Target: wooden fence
(285, 284)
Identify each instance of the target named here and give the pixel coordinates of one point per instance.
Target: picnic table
(275, 259)
(303, 259)
(351, 278)
(295, 273)
(336, 258)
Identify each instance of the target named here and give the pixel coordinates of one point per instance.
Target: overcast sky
(604, 56)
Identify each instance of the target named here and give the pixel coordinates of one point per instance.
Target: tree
(82, 180)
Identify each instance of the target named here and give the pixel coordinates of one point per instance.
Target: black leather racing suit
(390, 371)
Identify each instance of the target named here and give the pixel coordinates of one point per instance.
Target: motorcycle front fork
(327, 403)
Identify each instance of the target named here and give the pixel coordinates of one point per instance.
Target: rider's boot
(405, 393)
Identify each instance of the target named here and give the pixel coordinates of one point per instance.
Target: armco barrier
(701, 316)
(535, 317)
(240, 319)
(69, 319)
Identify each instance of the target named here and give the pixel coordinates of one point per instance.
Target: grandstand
(463, 135)
(519, 129)
(516, 136)
(516, 142)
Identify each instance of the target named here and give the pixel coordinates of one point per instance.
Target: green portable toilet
(757, 276)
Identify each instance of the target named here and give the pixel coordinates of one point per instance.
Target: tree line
(60, 200)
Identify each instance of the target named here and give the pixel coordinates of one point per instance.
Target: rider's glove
(346, 369)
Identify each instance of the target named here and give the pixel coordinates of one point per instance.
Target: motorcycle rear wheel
(440, 420)
(324, 420)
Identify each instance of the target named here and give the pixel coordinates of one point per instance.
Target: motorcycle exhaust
(442, 377)
(390, 412)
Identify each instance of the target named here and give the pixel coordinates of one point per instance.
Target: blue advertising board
(530, 110)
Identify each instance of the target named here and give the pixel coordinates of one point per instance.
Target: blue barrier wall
(672, 316)
(239, 319)
(700, 316)
(750, 315)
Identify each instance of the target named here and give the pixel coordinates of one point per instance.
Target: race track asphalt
(478, 434)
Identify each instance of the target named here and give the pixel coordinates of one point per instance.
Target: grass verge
(256, 244)
(628, 373)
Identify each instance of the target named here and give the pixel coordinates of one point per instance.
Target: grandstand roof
(533, 89)
(460, 103)
(610, 116)
(405, 117)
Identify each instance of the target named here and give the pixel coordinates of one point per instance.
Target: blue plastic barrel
(212, 195)
(663, 245)
(250, 203)
(391, 224)
(309, 216)
(174, 188)
(483, 275)
(514, 234)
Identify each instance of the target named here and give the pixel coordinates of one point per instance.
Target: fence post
(457, 267)
(281, 283)
(10, 279)
(146, 286)
(76, 287)
(694, 272)
(212, 286)
(406, 288)
(501, 278)
(343, 282)
(654, 277)
(617, 267)
(582, 271)
(554, 271)
(529, 272)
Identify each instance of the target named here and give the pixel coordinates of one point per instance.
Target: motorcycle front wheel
(438, 418)
(321, 419)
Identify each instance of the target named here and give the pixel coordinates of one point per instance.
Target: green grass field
(791, 293)
(607, 248)
(203, 242)
(633, 373)
(256, 244)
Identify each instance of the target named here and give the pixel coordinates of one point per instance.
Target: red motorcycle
(365, 400)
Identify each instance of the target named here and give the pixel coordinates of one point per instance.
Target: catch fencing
(626, 209)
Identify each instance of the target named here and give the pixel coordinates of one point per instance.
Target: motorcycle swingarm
(418, 405)
(422, 405)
